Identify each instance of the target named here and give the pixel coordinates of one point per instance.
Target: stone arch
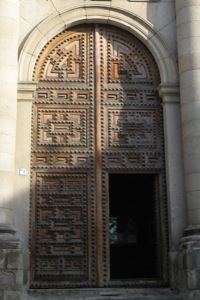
(168, 90)
(75, 15)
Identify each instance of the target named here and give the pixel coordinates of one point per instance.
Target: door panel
(63, 228)
(131, 130)
(96, 113)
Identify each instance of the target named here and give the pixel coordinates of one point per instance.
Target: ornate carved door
(96, 117)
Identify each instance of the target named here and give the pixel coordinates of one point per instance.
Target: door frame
(168, 91)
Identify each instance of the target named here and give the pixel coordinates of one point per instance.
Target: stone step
(101, 294)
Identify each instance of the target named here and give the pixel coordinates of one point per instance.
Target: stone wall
(39, 20)
(11, 268)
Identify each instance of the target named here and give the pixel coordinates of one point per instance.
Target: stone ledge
(9, 243)
(103, 294)
(7, 228)
(7, 238)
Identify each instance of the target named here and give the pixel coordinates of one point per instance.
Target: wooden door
(96, 113)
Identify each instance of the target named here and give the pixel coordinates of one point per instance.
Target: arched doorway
(98, 173)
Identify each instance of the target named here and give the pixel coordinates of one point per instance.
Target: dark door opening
(133, 226)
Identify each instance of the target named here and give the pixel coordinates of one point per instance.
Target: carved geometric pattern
(133, 160)
(63, 205)
(62, 95)
(131, 97)
(62, 127)
(61, 159)
(61, 225)
(92, 115)
(126, 62)
(131, 115)
(132, 128)
(66, 60)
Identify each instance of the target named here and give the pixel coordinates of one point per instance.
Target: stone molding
(7, 229)
(94, 13)
(192, 230)
(26, 91)
(169, 93)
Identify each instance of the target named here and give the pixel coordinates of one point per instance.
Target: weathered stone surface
(2, 259)
(103, 294)
(194, 295)
(9, 17)
(14, 259)
(19, 278)
(7, 280)
(9, 295)
(193, 279)
(10, 242)
(189, 259)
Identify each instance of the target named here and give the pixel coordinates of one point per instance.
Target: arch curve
(106, 14)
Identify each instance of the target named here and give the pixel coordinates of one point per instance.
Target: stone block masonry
(11, 267)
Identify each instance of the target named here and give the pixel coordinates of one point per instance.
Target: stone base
(11, 262)
(96, 294)
(189, 263)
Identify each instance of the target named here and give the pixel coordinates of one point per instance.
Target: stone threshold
(101, 294)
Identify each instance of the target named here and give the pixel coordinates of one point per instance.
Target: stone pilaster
(9, 16)
(10, 246)
(188, 38)
(174, 173)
